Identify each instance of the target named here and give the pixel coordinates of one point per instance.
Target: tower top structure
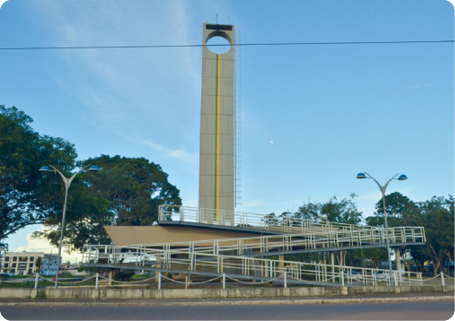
(216, 168)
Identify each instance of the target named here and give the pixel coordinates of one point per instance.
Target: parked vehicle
(383, 275)
(353, 274)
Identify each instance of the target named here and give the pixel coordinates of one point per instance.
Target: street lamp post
(67, 181)
(383, 189)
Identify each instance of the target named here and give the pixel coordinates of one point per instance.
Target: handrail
(263, 244)
(215, 256)
(250, 220)
(247, 266)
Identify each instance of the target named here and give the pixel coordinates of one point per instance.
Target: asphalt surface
(423, 310)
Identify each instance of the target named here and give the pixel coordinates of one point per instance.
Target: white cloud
(417, 86)
(178, 154)
(42, 245)
(128, 72)
(113, 85)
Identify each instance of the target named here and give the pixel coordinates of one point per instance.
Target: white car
(353, 274)
(383, 275)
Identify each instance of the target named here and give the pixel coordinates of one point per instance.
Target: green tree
(375, 256)
(25, 196)
(437, 217)
(396, 204)
(38, 263)
(419, 255)
(309, 211)
(86, 214)
(126, 191)
(340, 211)
(134, 188)
(271, 219)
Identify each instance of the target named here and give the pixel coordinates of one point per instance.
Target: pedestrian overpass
(253, 258)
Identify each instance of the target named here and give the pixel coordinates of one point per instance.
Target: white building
(23, 263)
(20, 263)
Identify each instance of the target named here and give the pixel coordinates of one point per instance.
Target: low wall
(74, 293)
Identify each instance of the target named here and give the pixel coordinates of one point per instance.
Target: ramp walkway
(245, 258)
(171, 214)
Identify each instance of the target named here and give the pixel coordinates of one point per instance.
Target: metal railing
(238, 257)
(269, 245)
(242, 266)
(251, 220)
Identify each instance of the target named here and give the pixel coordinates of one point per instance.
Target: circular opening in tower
(218, 45)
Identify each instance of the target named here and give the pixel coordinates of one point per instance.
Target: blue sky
(331, 111)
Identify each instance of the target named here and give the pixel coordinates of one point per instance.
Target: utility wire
(227, 45)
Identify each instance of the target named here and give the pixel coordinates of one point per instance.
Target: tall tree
(396, 204)
(341, 211)
(86, 215)
(25, 196)
(134, 188)
(419, 255)
(375, 256)
(437, 217)
(126, 191)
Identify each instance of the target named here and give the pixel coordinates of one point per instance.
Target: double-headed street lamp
(383, 188)
(67, 181)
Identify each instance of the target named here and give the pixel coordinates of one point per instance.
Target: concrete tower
(216, 162)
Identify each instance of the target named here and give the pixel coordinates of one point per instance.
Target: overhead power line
(226, 45)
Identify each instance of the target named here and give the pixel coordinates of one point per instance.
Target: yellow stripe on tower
(218, 136)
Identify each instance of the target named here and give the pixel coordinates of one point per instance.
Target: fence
(37, 278)
(441, 278)
(346, 277)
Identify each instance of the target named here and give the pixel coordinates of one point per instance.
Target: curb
(218, 303)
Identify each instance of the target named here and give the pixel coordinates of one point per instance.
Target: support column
(398, 264)
(325, 267)
(398, 259)
(332, 258)
(281, 262)
(109, 281)
(36, 280)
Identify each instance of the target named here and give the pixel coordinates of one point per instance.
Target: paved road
(427, 310)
